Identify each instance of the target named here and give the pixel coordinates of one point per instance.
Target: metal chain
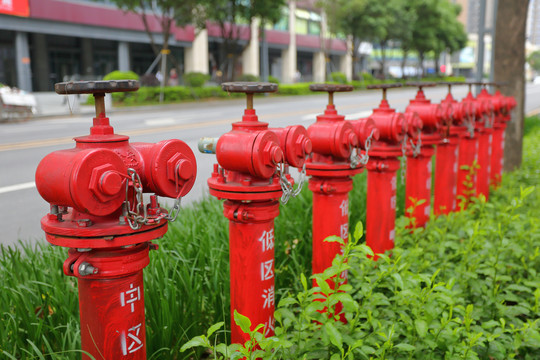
(354, 159)
(364, 158)
(470, 125)
(139, 215)
(416, 148)
(403, 159)
(286, 186)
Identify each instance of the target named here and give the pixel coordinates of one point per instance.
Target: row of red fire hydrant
(98, 210)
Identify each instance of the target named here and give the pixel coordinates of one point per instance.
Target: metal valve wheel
(420, 84)
(330, 87)
(383, 86)
(93, 87)
(249, 87)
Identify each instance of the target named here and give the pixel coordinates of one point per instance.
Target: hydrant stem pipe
(466, 178)
(249, 101)
(251, 258)
(446, 169)
(418, 186)
(99, 100)
(381, 203)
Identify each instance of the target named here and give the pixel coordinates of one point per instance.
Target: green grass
(187, 281)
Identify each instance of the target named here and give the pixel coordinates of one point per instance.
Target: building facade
(47, 41)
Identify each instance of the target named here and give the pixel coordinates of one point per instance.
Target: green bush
(294, 89)
(195, 79)
(121, 75)
(273, 79)
(248, 77)
(338, 77)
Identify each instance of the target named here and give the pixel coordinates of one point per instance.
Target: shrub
(121, 75)
(339, 77)
(294, 89)
(248, 77)
(195, 79)
(273, 79)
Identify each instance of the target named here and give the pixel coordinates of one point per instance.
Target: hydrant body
(331, 168)
(419, 160)
(485, 132)
(97, 210)
(504, 104)
(382, 181)
(446, 165)
(468, 154)
(251, 175)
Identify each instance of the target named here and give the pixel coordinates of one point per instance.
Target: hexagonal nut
(180, 166)
(105, 182)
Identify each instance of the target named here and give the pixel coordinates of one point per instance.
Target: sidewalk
(50, 104)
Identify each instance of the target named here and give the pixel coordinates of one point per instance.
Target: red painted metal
(446, 166)
(468, 152)
(382, 167)
(435, 118)
(505, 105)
(95, 191)
(331, 168)
(247, 176)
(485, 131)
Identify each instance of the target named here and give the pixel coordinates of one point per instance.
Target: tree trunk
(383, 60)
(404, 62)
(509, 68)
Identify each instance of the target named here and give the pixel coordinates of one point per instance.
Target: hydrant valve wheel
(420, 84)
(249, 87)
(383, 86)
(330, 87)
(92, 87)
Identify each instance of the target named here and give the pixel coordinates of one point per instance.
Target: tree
(509, 69)
(450, 34)
(363, 20)
(424, 33)
(228, 14)
(167, 13)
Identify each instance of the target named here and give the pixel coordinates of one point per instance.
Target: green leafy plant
(121, 75)
(195, 79)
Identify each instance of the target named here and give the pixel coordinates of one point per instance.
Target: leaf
(303, 281)
(334, 335)
(242, 321)
(325, 288)
(421, 327)
(214, 328)
(195, 342)
(334, 238)
(398, 279)
(405, 347)
(358, 231)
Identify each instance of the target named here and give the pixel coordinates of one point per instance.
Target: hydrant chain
(403, 158)
(364, 158)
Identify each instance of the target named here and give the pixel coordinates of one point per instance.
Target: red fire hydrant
(252, 177)
(332, 165)
(382, 167)
(96, 196)
(468, 153)
(484, 128)
(503, 106)
(446, 166)
(419, 156)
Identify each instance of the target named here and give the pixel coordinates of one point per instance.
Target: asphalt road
(24, 144)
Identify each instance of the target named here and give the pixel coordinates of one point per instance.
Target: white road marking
(23, 186)
(310, 117)
(160, 122)
(358, 115)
